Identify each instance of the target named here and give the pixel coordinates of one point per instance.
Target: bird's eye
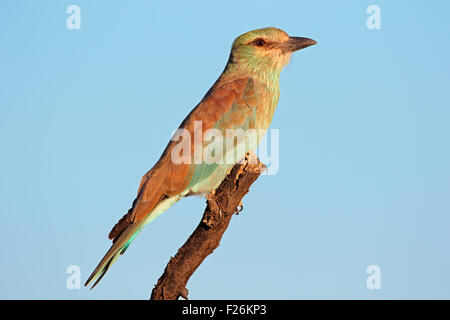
(259, 42)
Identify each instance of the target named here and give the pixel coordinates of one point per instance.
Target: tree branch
(221, 205)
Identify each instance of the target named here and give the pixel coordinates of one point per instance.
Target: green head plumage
(265, 51)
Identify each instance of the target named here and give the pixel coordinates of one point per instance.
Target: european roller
(244, 97)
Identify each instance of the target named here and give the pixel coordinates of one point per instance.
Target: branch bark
(221, 205)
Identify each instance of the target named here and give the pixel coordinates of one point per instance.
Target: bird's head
(266, 50)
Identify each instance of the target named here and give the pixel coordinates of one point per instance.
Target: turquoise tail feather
(120, 245)
(123, 241)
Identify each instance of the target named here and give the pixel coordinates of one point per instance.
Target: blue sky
(363, 117)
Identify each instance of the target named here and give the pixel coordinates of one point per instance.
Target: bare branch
(221, 205)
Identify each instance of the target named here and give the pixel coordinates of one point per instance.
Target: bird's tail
(119, 246)
(126, 230)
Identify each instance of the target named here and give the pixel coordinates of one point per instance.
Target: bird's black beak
(297, 43)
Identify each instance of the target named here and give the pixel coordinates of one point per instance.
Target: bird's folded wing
(227, 105)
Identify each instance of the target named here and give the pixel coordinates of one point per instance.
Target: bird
(244, 97)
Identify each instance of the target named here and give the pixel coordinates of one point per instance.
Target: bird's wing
(225, 106)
